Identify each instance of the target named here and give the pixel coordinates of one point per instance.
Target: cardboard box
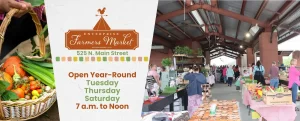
(271, 98)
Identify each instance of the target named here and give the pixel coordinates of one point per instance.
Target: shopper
(259, 72)
(21, 27)
(274, 75)
(236, 72)
(163, 69)
(153, 72)
(194, 89)
(294, 80)
(230, 75)
(224, 74)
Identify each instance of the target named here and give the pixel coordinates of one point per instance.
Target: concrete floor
(223, 92)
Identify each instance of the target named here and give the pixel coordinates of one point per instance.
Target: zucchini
(39, 69)
(44, 78)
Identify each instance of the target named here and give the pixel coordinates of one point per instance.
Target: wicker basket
(25, 110)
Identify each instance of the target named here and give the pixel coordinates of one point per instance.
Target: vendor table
(270, 112)
(167, 100)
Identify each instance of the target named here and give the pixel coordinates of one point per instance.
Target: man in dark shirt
(274, 75)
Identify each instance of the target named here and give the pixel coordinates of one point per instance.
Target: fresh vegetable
(16, 77)
(40, 69)
(47, 89)
(6, 77)
(31, 78)
(40, 91)
(44, 78)
(35, 97)
(24, 87)
(25, 79)
(39, 63)
(35, 93)
(20, 93)
(9, 68)
(6, 95)
(33, 87)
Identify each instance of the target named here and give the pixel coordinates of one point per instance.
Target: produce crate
(274, 98)
(28, 108)
(282, 77)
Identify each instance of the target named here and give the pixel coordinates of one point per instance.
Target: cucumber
(39, 69)
(44, 78)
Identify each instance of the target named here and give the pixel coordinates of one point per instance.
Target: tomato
(32, 83)
(26, 92)
(32, 87)
(40, 91)
(31, 78)
(24, 87)
(19, 92)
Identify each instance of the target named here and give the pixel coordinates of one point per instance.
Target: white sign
(97, 84)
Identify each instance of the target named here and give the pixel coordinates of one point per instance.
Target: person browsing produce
(259, 72)
(194, 89)
(294, 80)
(274, 75)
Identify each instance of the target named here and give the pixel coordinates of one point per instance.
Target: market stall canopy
(213, 22)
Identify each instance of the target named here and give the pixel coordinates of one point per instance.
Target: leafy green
(44, 31)
(33, 43)
(35, 3)
(9, 95)
(3, 86)
(6, 94)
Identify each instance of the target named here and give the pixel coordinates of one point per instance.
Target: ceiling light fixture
(248, 35)
(169, 35)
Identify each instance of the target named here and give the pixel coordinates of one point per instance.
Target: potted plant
(200, 53)
(190, 53)
(166, 62)
(186, 50)
(179, 51)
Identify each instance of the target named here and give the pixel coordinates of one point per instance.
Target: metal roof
(225, 20)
